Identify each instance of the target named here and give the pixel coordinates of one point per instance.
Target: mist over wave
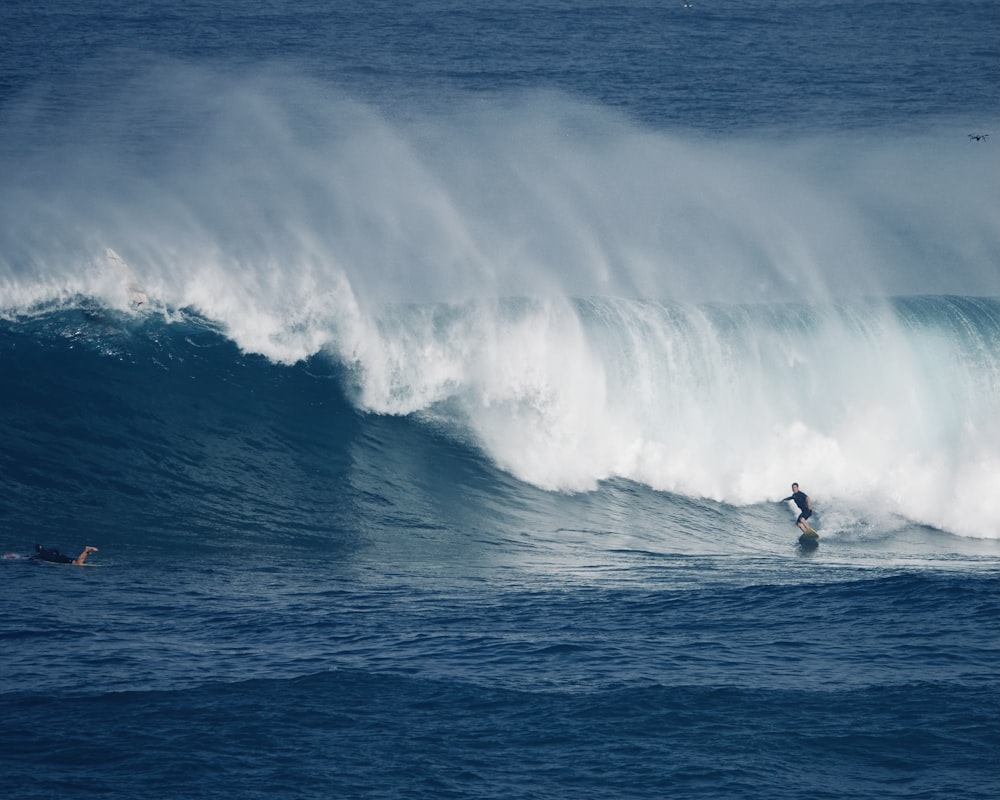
(447, 257)
(273, 203)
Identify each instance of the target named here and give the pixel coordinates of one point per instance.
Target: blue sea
(430, 375)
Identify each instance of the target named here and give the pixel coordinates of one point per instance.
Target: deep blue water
(429, 376)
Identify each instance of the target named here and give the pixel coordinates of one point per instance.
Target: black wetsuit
(51, 554)
(802, 501)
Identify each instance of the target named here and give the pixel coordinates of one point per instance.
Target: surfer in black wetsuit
(52, 554)
(805, 507)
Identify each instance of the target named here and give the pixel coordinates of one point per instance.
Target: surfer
(805, 507)
(52, 554)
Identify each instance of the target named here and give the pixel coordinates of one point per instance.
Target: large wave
(889, 407)
(882, 409)
(470, 265)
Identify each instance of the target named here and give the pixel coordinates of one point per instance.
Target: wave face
(890, 408)
(893, 404)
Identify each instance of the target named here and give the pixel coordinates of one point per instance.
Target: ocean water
(429, 376)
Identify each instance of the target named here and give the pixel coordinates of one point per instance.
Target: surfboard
(809, 539)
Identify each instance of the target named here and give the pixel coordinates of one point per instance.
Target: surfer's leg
(83, 556)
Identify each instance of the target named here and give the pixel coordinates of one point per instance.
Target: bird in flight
(978, 136)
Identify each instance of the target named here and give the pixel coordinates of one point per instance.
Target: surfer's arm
(83, 556)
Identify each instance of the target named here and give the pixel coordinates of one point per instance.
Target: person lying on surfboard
(52, 554)
(805, 507)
